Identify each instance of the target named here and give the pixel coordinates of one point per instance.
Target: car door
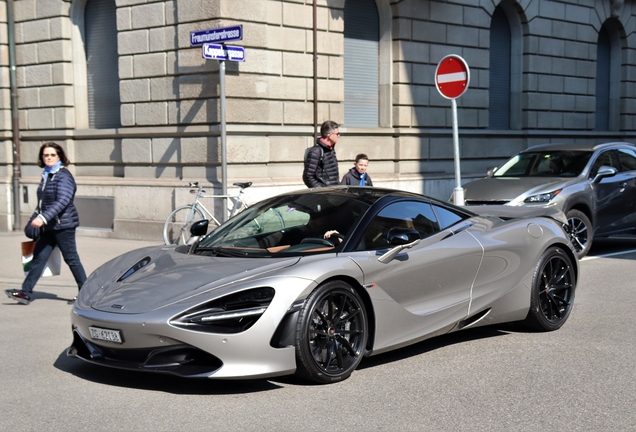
(613, 196)
(425, 288)
(627, 157)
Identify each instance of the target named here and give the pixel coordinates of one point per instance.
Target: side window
(607, 158)
(446, 217)
(406, 214)
(628, 159)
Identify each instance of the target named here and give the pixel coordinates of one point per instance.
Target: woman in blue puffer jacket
(57, 219)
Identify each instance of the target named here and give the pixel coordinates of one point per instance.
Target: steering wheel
(321, 241)
(338, 236)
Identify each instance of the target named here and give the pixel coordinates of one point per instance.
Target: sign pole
(452, 77)
(223, 137)
(459, 191)
(220, 51)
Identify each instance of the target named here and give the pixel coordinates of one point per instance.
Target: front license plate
(105, 334)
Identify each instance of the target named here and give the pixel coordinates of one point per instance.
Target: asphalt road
(580, 378)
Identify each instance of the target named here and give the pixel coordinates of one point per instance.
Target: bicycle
(176, 229)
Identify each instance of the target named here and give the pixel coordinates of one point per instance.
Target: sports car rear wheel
(331, 333)
(553, 288)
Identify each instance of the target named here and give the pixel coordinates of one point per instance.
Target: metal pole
(315, 48)
(14, 118)
(223, 137)
(459, 191)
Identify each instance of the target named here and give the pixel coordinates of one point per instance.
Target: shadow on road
(441, 342)
(620, 247)
(158, 382)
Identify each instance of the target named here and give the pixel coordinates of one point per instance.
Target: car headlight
(542, 198)
(233, 313)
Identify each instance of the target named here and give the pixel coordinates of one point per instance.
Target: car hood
(507, 189)
(150, 278)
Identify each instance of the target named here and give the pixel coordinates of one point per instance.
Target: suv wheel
(581, 232)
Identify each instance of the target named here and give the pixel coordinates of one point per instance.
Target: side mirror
(491, 171)
(199, 228)
(402, 236)
(400, 239)
(604, 171)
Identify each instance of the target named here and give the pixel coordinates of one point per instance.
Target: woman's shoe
(18, 296)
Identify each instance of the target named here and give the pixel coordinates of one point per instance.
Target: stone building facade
(568, 68)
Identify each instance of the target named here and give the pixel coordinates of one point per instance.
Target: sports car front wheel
(552, 295)
(331, 333)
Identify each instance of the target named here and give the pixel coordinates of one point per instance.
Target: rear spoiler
(520, 212)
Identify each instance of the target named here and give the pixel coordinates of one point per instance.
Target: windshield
(562, 163)
(288, 225)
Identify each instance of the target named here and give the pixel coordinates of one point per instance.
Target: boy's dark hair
(361, 156)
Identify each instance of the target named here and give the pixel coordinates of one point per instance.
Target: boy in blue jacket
(358, 176)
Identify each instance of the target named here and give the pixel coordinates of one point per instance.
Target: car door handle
(623, 185)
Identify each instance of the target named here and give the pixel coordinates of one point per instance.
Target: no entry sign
(452, 76)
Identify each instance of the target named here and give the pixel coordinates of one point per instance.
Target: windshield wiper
(221, 251)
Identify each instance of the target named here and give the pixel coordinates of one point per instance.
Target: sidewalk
(93, 251)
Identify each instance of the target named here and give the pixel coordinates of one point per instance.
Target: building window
(608, 77)
(102, 73)
(505, 68)
(499, 86)
(603, 51)
(361, 71)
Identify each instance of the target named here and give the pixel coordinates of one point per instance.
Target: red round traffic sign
(452, 76)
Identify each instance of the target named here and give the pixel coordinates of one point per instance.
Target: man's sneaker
(18, 296)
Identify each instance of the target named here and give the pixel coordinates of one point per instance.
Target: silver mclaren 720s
(311, 282)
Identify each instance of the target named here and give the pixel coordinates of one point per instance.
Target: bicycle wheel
(271, 221)
(176, 229)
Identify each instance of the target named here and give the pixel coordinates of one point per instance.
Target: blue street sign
(217, 35)
(223, 52)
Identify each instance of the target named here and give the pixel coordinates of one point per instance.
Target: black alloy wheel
(581, 232)
(553, 287)
(331, 333)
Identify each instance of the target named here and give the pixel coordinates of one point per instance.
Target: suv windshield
(289, 225)
(559, 163)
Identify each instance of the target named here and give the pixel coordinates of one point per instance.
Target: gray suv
(594, 185)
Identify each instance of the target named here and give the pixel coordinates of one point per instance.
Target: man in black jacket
(321, 164)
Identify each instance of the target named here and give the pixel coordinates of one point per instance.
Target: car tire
(581, 232)
(331, 333)
(552, 294)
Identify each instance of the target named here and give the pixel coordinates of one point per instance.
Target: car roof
(361, 192)
(371, 195)
(585, 146)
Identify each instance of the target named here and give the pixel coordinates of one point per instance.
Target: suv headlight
(542, 198)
